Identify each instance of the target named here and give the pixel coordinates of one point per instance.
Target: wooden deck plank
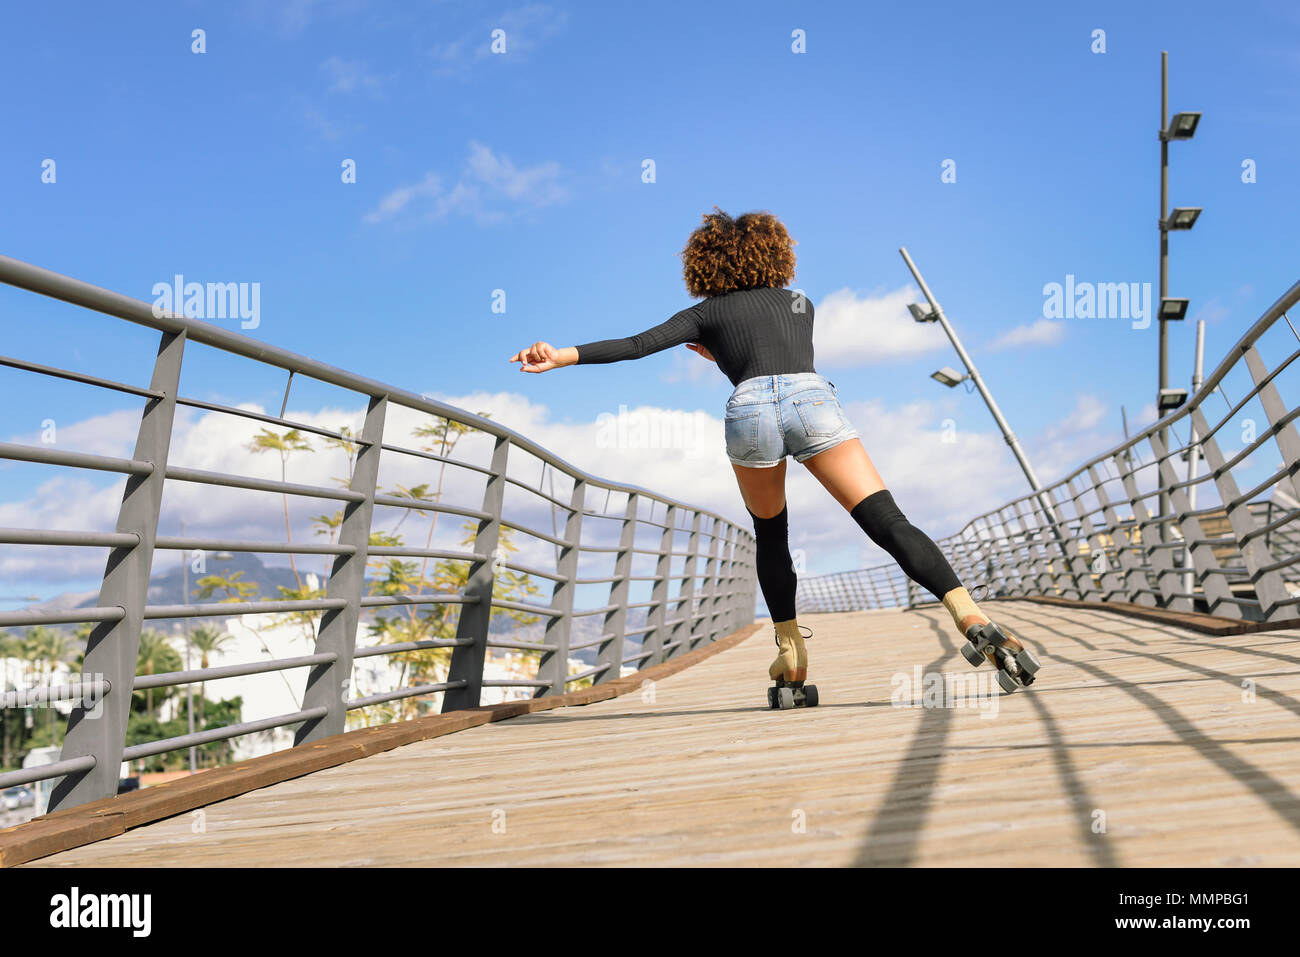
(1140, 720)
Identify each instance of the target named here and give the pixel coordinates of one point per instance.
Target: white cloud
(349, 76)
(676, 452)
(321, 123)
(486, 180)
(688, 366)
(1087, 414)
(1044, 332)
(400, 198)
(943, 460)
(848, 331)
(525, 29)
(536, 185)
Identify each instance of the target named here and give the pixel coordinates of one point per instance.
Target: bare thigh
(762, 489)
(846, 472)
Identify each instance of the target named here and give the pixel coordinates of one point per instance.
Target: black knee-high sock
(914, 551)
(776, 575)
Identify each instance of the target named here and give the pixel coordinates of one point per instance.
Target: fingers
(539, 357)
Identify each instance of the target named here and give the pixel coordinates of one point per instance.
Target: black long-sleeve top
(750, 332)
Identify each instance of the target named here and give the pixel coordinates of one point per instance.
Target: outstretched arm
(685, 326)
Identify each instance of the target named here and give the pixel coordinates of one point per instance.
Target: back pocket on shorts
(741, 429)
(819, 412)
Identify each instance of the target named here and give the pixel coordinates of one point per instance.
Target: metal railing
(1229, 544)
(715, 581)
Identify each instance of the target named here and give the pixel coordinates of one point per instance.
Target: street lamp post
(1193, 454)
(1182, 127)
(950, 377)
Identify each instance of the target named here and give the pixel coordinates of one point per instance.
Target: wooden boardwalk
(1141, 744)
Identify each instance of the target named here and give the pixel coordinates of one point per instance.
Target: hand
(696, 347)
(541, 356)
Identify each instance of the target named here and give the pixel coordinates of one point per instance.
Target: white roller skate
(1016, 664)
(789, 671)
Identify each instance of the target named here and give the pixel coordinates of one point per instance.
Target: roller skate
(789, 670)
(1016, 664)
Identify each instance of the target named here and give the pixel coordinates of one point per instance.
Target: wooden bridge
(1144, 742)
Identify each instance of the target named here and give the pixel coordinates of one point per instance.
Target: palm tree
(283, 445)
(208, 641)
(238, 590)
(446, 433)
(329, 524)
(156, 657)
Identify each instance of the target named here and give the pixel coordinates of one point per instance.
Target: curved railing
(709, 559)
(1227, 542)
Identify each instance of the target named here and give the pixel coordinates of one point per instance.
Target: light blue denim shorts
(771, 416)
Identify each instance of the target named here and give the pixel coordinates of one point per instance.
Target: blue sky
(522, 172)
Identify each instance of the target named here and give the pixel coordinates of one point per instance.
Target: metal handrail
(720, 554)
(1087, 550)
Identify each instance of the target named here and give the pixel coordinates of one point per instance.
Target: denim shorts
(771, 416)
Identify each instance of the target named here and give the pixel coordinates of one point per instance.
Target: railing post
(467, 660)
(113, 647)
(1125, 550)
(1286, 436)
(613, 650)
(653, 640)
(1149, 527)
(1270, 589)
(1037, 530)
(328, 685)
(554, 666)
(726, 583)
(1139, 592)
(681, 631)
(708, 601)
(1084, 585)
(1213, 583)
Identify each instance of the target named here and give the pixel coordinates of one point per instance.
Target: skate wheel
(1027, 662)
(810, 696)
(972, 654)
(1007, 682)
(771, 699)
(785, 698)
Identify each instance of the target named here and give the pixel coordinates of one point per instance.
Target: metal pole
(114, 646)
(1193, 449)
(1163, 325)
(1007, 434)
(189, 687)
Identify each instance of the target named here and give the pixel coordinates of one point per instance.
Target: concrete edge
(97, 820)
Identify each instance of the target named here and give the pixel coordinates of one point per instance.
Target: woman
(760, 335)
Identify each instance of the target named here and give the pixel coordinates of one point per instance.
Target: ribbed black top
(750, 332)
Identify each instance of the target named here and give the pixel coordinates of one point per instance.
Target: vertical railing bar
(613, 650)
(113, 647)
(653, 642)
(469, 659)
(554, 664)
(686, 592)
(328, 685)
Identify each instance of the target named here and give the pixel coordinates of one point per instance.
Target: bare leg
(847, 472)
(762, 489)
